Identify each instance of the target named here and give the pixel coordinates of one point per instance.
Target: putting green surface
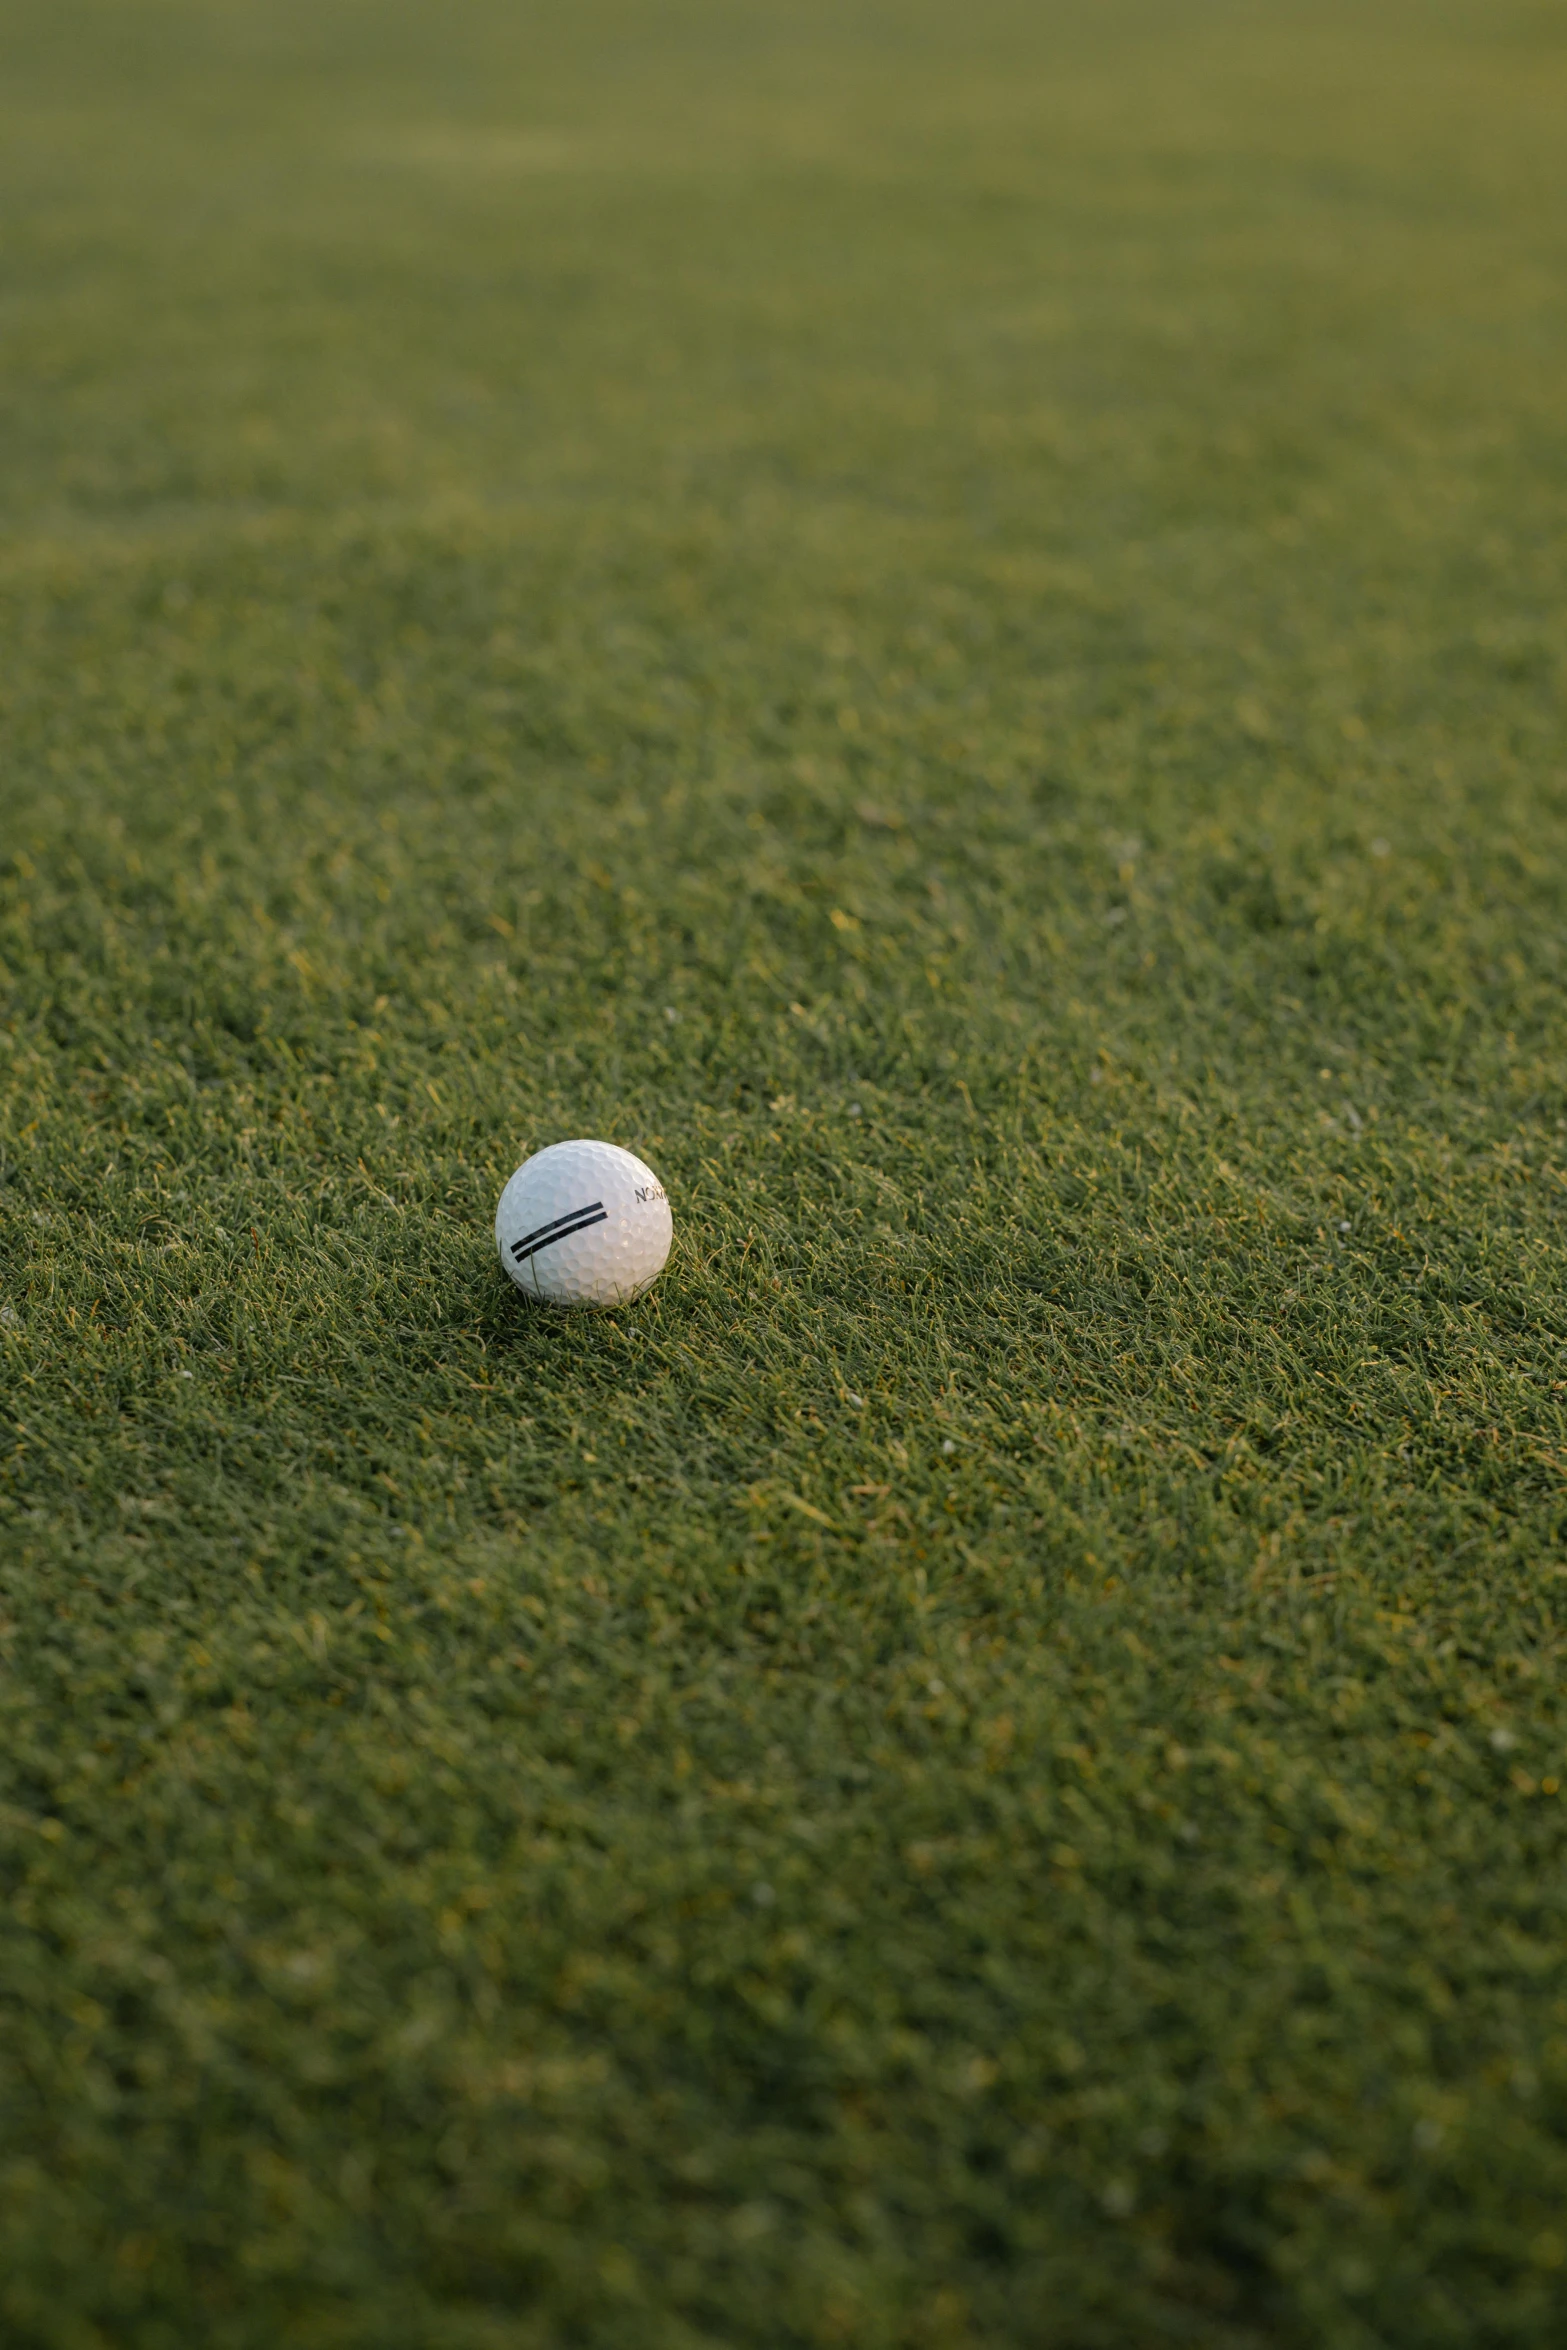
(949, 622)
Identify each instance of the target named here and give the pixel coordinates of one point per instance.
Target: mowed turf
(949, 622)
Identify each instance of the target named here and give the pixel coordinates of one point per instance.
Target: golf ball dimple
(584, 1224)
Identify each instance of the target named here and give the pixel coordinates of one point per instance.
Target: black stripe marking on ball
(546, 1235)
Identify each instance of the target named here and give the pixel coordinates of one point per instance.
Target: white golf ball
(584, 1224)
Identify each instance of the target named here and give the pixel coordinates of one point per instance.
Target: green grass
(949, 621)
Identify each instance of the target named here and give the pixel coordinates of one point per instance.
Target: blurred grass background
(949, 623)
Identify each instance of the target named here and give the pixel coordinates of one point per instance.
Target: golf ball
(584, 1224)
